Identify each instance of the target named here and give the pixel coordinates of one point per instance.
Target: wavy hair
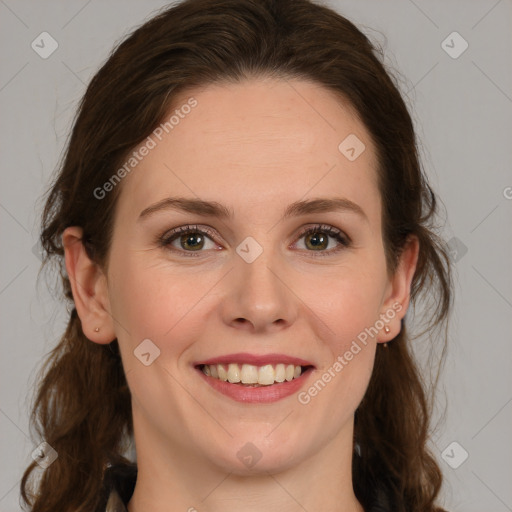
(82, 404)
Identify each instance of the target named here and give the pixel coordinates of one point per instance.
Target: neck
(179, 479)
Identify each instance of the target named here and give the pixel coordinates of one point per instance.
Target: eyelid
(207, 230)
(344, 241)
(172, 234)
(327, 228)
(169, 236)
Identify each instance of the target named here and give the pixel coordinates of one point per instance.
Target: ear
(398, 292)
(89, 287)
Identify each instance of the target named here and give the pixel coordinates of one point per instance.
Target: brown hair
(82, 407)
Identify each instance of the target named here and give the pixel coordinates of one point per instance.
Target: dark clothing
(119, 485)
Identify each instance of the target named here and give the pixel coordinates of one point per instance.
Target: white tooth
(249, 374)
(280, 372)
(223, 374)
(233, 373)
(266, 375)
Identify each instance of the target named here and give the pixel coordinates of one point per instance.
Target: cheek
(136, 298)
(149, 303)
(347, 308)
(347, 302)
(336, 390)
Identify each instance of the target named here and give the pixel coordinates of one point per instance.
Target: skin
(254, 147)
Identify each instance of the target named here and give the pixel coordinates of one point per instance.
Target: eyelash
(169, 236)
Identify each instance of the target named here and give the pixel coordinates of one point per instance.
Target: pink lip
(261, 395)
(256, 360)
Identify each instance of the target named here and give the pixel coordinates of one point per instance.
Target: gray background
(462, 109)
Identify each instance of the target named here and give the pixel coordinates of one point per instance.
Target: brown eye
(192, 241)
(188, 240)
(316, 241)
(319, 238)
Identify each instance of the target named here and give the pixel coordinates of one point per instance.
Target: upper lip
(256, 360)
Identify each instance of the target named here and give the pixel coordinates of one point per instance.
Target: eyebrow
(215, 209)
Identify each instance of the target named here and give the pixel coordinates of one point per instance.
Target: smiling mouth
(249, 375)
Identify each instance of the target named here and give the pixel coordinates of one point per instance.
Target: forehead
(261, 141)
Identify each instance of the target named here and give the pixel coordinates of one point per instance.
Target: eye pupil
(190, 240)
(316, 240)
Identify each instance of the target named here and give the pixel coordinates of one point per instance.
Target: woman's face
(249, 286)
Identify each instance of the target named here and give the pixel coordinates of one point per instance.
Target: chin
(257, 454)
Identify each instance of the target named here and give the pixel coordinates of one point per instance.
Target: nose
(258, 296)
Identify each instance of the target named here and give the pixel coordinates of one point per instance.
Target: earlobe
(397, 302)
(89, 287)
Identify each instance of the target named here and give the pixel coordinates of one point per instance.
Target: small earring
(387, 330)
(97, 329)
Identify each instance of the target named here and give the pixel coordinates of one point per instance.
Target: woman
(242, 222)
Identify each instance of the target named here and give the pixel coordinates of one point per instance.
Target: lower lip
(259, 395)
